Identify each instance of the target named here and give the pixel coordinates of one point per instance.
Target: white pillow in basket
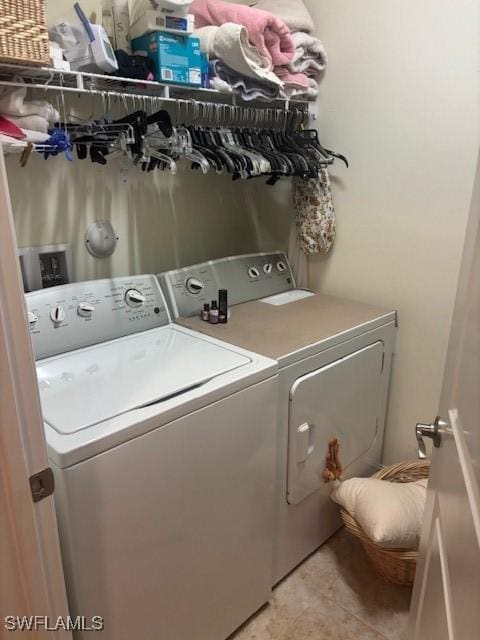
(390, 513)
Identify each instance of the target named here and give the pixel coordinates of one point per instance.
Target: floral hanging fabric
(314, 213)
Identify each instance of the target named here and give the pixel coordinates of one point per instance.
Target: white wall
(163, 221)
(400, 99)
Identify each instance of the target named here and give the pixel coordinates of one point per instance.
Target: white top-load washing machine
(162, 443)
(335, 359)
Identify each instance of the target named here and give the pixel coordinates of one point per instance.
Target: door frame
(33, 576)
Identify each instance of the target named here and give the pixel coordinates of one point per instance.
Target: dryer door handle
(305, 444)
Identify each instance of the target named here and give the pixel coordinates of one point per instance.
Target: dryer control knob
(267, 268)
(134, 298)
(85, 310)
(195, 285)
(57, 315)
(32, 319)
(253, 273)
(281, 266)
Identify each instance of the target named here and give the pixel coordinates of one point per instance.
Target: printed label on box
(195, 76)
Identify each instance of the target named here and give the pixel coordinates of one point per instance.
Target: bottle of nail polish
(214, 312)
(205, 315)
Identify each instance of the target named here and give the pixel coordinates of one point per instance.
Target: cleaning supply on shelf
(269, 34)
(176, 58)
(230, 44)
(174, 8)
(86, 46)
(154, 21)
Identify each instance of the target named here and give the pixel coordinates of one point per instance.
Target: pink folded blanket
(292, 79)
(268, 33)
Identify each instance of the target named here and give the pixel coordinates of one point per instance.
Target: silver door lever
(432, 431)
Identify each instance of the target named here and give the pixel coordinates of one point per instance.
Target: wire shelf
(107, 87)
(80, 82)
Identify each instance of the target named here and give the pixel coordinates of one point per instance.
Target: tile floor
(333, 595)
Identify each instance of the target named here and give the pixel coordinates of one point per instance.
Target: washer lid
(85, 387)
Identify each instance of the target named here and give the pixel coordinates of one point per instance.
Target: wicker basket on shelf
(23, 32)
(394, 565)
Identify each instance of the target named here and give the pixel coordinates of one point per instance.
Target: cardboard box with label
(176, 58)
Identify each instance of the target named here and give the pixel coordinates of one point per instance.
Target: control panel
(247, 277)
(78, 315)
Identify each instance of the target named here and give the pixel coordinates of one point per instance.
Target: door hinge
(42, 484)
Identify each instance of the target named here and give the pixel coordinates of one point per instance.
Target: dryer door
(340, 400)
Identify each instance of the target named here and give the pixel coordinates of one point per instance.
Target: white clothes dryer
(162, 444)
(335, 359)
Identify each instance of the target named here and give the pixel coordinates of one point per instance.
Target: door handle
(432, 431)
(305, 444)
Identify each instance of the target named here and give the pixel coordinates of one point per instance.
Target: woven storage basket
(394, 565)
(23, 32)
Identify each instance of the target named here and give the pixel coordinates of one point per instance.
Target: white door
(31, 574)
(446, 597)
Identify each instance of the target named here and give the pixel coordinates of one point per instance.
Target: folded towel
(13, 103)
(293, 12)
(227, 80)
(268, 33)
(34, 123)
(296, 80)
(36, 137)
(229, 43)
(304, 93)
(309, 54)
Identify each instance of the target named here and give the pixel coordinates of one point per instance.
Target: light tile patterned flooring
(333, 595)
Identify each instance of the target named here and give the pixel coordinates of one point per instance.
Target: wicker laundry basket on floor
(394, 565)
(23, 32)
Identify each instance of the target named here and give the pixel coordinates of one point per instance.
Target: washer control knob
(281, 266)
(85, 309)
(267, 268)
(194, 285)
(57, 315)
(253, 273)
(32, 319)
(134, 298)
